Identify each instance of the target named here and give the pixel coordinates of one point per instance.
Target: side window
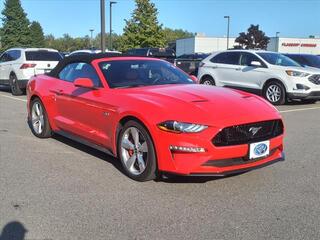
(79, 70)
(227, 58)
(14, 55)
(247, 58)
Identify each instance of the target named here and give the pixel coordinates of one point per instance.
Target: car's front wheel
(275, 93)
(38, 120)
(136, 152)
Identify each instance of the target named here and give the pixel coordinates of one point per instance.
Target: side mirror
(83, 82)
(255, 64)
(194, 78)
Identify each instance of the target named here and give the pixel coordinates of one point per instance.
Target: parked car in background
(64, 54)
(153, 117)
(308, 60)
(84, 51)
(89, 51)
(167, 54)
(190, 62)
(272, 75)
(17, 65)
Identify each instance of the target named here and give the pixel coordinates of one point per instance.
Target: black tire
(207, 80)
(278, 100)
(46, 129)
(308, 101)
(14, 85)
(151, 171)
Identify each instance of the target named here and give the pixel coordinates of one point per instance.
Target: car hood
(310, 70)
(204, 104)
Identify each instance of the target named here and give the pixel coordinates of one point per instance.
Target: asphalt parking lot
(59, 189)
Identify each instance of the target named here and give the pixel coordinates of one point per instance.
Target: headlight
(180, 127)
(297, 73)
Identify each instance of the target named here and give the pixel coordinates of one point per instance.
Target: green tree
(15, 30)
(36, 34)
(143, 29)
(253, 38)
(66, 43)
(171, 35)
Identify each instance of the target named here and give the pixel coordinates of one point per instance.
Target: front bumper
(241, 170)
(304, 95)
(215, 161)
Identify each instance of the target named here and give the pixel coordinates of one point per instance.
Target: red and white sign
(313, 45)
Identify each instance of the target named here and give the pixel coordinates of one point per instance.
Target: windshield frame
(184, 77)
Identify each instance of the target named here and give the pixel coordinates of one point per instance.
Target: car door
(224, 67)
(250, 77)
(81, 111)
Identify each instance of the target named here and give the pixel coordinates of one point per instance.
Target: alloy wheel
(273, 93)
(37, 118)
(134, 150)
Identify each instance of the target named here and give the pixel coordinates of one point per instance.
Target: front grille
(248, 133)
(315, 79)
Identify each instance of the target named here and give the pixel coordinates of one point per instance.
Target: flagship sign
(313, 45)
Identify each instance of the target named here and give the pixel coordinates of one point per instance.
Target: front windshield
(278, 59)
(136, 73)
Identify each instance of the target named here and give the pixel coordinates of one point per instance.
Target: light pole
(103, 25)
(110, 34)
(277, 39)
(228, 29)
(91, 37)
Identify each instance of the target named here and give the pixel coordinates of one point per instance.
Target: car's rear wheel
(275, 93)
(207, 80)
(38, 121)
(14, 85)
(136, 152)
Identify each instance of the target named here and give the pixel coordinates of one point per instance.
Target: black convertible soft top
(86, 58)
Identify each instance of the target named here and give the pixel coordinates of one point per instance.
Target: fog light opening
(302, 87)
(186, 149)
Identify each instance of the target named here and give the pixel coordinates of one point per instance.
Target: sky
(292, 18)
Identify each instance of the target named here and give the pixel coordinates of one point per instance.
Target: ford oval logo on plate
(259, 149)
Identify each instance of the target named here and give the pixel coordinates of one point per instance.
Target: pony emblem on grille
(254, 130)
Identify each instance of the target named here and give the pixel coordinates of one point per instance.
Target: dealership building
(202, 44)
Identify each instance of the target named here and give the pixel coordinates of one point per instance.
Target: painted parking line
(299, 109)
(283, 111)
(15, 98)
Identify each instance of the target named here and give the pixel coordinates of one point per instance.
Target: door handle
(59, 92)
(237, 69)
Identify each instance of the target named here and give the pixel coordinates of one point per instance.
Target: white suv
(18, 65)
(272, 75)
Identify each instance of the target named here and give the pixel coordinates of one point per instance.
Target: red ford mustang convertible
(153, 117)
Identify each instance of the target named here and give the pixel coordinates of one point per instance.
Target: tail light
(27, 65)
